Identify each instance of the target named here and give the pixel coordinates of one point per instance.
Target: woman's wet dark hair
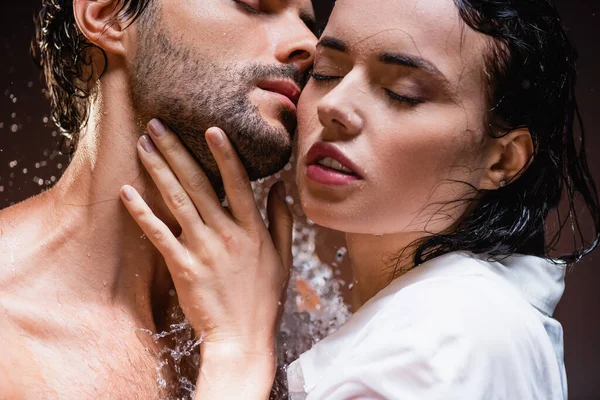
(64, 55)
(532, 74)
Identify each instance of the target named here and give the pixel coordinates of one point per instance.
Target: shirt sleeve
(446, 339)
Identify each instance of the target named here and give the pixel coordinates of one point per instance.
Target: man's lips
(283, 87)
(322, 150)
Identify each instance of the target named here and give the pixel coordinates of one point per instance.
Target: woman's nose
(338, 113)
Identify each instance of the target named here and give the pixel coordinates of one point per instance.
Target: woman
(437, 135)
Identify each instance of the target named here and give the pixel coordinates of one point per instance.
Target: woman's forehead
(431, 29)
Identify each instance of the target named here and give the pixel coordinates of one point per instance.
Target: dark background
(30, 161)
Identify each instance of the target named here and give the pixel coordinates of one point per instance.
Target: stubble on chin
(190, 95)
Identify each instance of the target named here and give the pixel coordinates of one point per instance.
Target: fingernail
(156, 128)
(216, 137)
(128, 193)
(281, 191)
(147, 144)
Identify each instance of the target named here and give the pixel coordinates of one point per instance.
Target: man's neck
(87, 238)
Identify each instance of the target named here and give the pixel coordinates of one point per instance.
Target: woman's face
(393, 118)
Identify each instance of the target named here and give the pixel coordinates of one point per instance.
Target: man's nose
(297, 48)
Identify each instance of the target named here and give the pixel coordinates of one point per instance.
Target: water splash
(314, 306)
(314, 309)
(178, 358)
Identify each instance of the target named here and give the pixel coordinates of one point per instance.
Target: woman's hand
(229, 270)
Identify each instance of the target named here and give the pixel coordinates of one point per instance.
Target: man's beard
(190, 96)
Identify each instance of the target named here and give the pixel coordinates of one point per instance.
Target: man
(77, 278)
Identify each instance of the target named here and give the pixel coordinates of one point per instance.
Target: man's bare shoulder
(21, 227)
(9, 385)
(11, 372)
(9, 388)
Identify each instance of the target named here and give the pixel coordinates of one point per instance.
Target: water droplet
(14, 128)
(341, 253)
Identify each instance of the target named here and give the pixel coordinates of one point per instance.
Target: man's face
(238, 65)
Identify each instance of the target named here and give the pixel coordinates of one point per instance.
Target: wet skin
(77, 277)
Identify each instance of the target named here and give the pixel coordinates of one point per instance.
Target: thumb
(280, 223)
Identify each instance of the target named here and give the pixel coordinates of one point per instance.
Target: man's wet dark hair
(65, 57)
(531, 66)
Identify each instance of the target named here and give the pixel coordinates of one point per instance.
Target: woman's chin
(329, 215)
(336, 208)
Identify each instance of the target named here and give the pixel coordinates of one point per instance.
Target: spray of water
(314, 309)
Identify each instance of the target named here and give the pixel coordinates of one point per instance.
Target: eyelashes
(413, 101)
(247, 7)
(403, 99)
(319, 77)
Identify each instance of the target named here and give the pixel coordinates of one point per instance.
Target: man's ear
(507, 158)
(94, 20)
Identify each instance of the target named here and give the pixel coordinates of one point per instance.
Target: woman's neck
(376, 261)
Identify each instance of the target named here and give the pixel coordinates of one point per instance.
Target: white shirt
(456, 327)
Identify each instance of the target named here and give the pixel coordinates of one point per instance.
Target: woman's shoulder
(460, 285)
(474, 309)
(476, 306)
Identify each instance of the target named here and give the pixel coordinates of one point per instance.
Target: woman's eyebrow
(409, 61)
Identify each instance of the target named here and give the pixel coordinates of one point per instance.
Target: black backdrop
(29, 160)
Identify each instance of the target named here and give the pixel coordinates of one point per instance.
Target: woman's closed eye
(393, 96)
(403, 99)
(251, 6)
(322, 77)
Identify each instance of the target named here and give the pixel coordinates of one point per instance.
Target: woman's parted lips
(284, 87)
(321, 150)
